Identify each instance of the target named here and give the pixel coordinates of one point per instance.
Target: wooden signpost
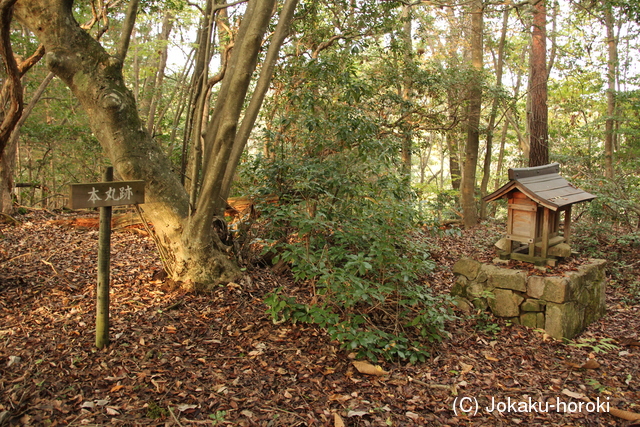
(105, 195)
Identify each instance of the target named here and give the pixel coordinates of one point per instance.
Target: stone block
(556, 289)
(535, 286)
(501, 244)
(532, 305)
(505, 278)
(592, 272)
(505, 303)
(459, 288)
(467, 267)
(564, 320)
(530, 320)
(561, 250)
(480, 303)
(475, 290)
(463, 304)
(540, 320)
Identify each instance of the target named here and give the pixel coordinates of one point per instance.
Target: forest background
(375, 122)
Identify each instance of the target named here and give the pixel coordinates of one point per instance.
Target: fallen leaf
(184, 407)
(352, 414)
(368, 369)
(116, 388)
(631, 342)
(412, 415)
(465, 368)
(573, 394)
(337, 421)
(13, 360)
(572, 365)
(491, 358)
(591, 364)
(112, 411)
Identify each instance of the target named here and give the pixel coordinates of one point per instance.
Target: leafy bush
(354, 240)
(345, 222)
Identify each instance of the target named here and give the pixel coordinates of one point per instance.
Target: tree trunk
(467, 194)
(492, 116)
(191, 251)
(12, 87)
(612, 66)
(454, 162)
(157, 89)
(407, 140)
(538, 121)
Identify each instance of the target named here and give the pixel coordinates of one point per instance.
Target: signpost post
(105, 195)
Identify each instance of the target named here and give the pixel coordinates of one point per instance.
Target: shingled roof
(544, 185)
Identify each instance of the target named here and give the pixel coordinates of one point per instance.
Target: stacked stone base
(561, 305)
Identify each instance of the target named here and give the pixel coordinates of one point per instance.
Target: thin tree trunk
(251, 114)
(192, 142)
(407, 143)
(222, 129)
(167, 25)
(454, 159)
(127, 29)
(492, 116)
(612, 67)
(12, 84)
(7, 162)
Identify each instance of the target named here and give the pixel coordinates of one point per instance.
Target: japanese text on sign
(101, 194)
(125, 193)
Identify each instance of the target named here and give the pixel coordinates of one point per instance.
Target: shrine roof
(544, 185)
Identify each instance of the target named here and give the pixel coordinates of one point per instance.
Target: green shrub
(360, 250)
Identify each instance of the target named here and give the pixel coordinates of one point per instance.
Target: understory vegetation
(354, 162)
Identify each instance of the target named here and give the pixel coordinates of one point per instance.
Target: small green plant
(597, 386)
(218, 417)
(485, 322)
(154, 411)
(634, 293)
(602, 345)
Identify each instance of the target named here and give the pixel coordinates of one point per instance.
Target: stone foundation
(561, 305)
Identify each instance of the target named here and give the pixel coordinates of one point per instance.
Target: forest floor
(217, 359)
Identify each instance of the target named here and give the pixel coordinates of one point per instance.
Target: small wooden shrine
(536, 198)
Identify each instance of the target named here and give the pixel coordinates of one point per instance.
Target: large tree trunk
(467, 193)
(538, 117)
(191, 251)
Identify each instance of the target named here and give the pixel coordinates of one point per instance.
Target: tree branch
(127, 29)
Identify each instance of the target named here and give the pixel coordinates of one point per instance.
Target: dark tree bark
(538, 116)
